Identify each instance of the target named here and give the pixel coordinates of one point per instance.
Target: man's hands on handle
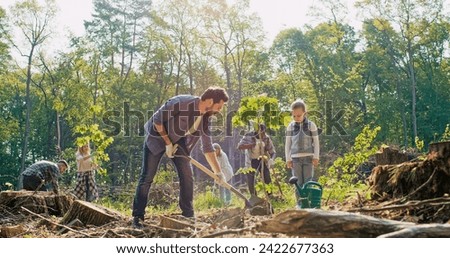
(214, 164)
(170, 150)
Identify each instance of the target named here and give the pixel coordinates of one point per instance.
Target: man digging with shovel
(179, 123)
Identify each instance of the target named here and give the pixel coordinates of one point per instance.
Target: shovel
(213, 175)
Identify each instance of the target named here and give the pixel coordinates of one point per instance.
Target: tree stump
(390, 156)
(442, 149)
(89, 214)
(37, 202)
(419, 180)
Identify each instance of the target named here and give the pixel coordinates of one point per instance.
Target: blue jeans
(225, 194)
(149, 168)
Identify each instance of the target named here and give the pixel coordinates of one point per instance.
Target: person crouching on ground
(42, 174)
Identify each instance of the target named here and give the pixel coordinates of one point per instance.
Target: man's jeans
(149, 168)
(33, 183)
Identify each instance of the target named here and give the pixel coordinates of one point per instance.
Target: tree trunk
(403, 115)
(58, 135)
(319, 223)
(28, 111)
(177, 89)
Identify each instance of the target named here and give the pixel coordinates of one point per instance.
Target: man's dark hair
(64, 163)
(215, 93)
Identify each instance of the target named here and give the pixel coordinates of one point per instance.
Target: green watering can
(310, 194)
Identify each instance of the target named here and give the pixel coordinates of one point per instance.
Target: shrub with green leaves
(92, 133)
(446, 135)
(207, 200)
(341, 177)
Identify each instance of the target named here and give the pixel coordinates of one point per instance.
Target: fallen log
(320, 223)
(90, 214)
(421, 231)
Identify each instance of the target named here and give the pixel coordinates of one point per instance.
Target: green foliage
(245, 170)
(121, 205)
(164, 177)
(259, 109)
(146, 53)
(446, 135)
(207, 200)
(341, 177)
(419, 143)
(98, 138)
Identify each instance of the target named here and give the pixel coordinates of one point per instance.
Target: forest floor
(225, 222)
(402, 196)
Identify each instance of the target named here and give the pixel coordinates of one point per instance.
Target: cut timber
(233, 218)
(11, 231)
(89, 214)
(172, 223)
(390, 156)
(38, 202)
(422, 231)
(320, 223)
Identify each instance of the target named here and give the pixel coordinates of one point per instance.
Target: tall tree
(405, 15)
(114, 31)
(34, 22)
(4, 35)
(183, 22)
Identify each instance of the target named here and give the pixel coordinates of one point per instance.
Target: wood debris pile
(84, 219)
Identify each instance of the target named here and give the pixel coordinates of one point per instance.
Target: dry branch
(54, 223)
(410, 204)
(231, 231)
